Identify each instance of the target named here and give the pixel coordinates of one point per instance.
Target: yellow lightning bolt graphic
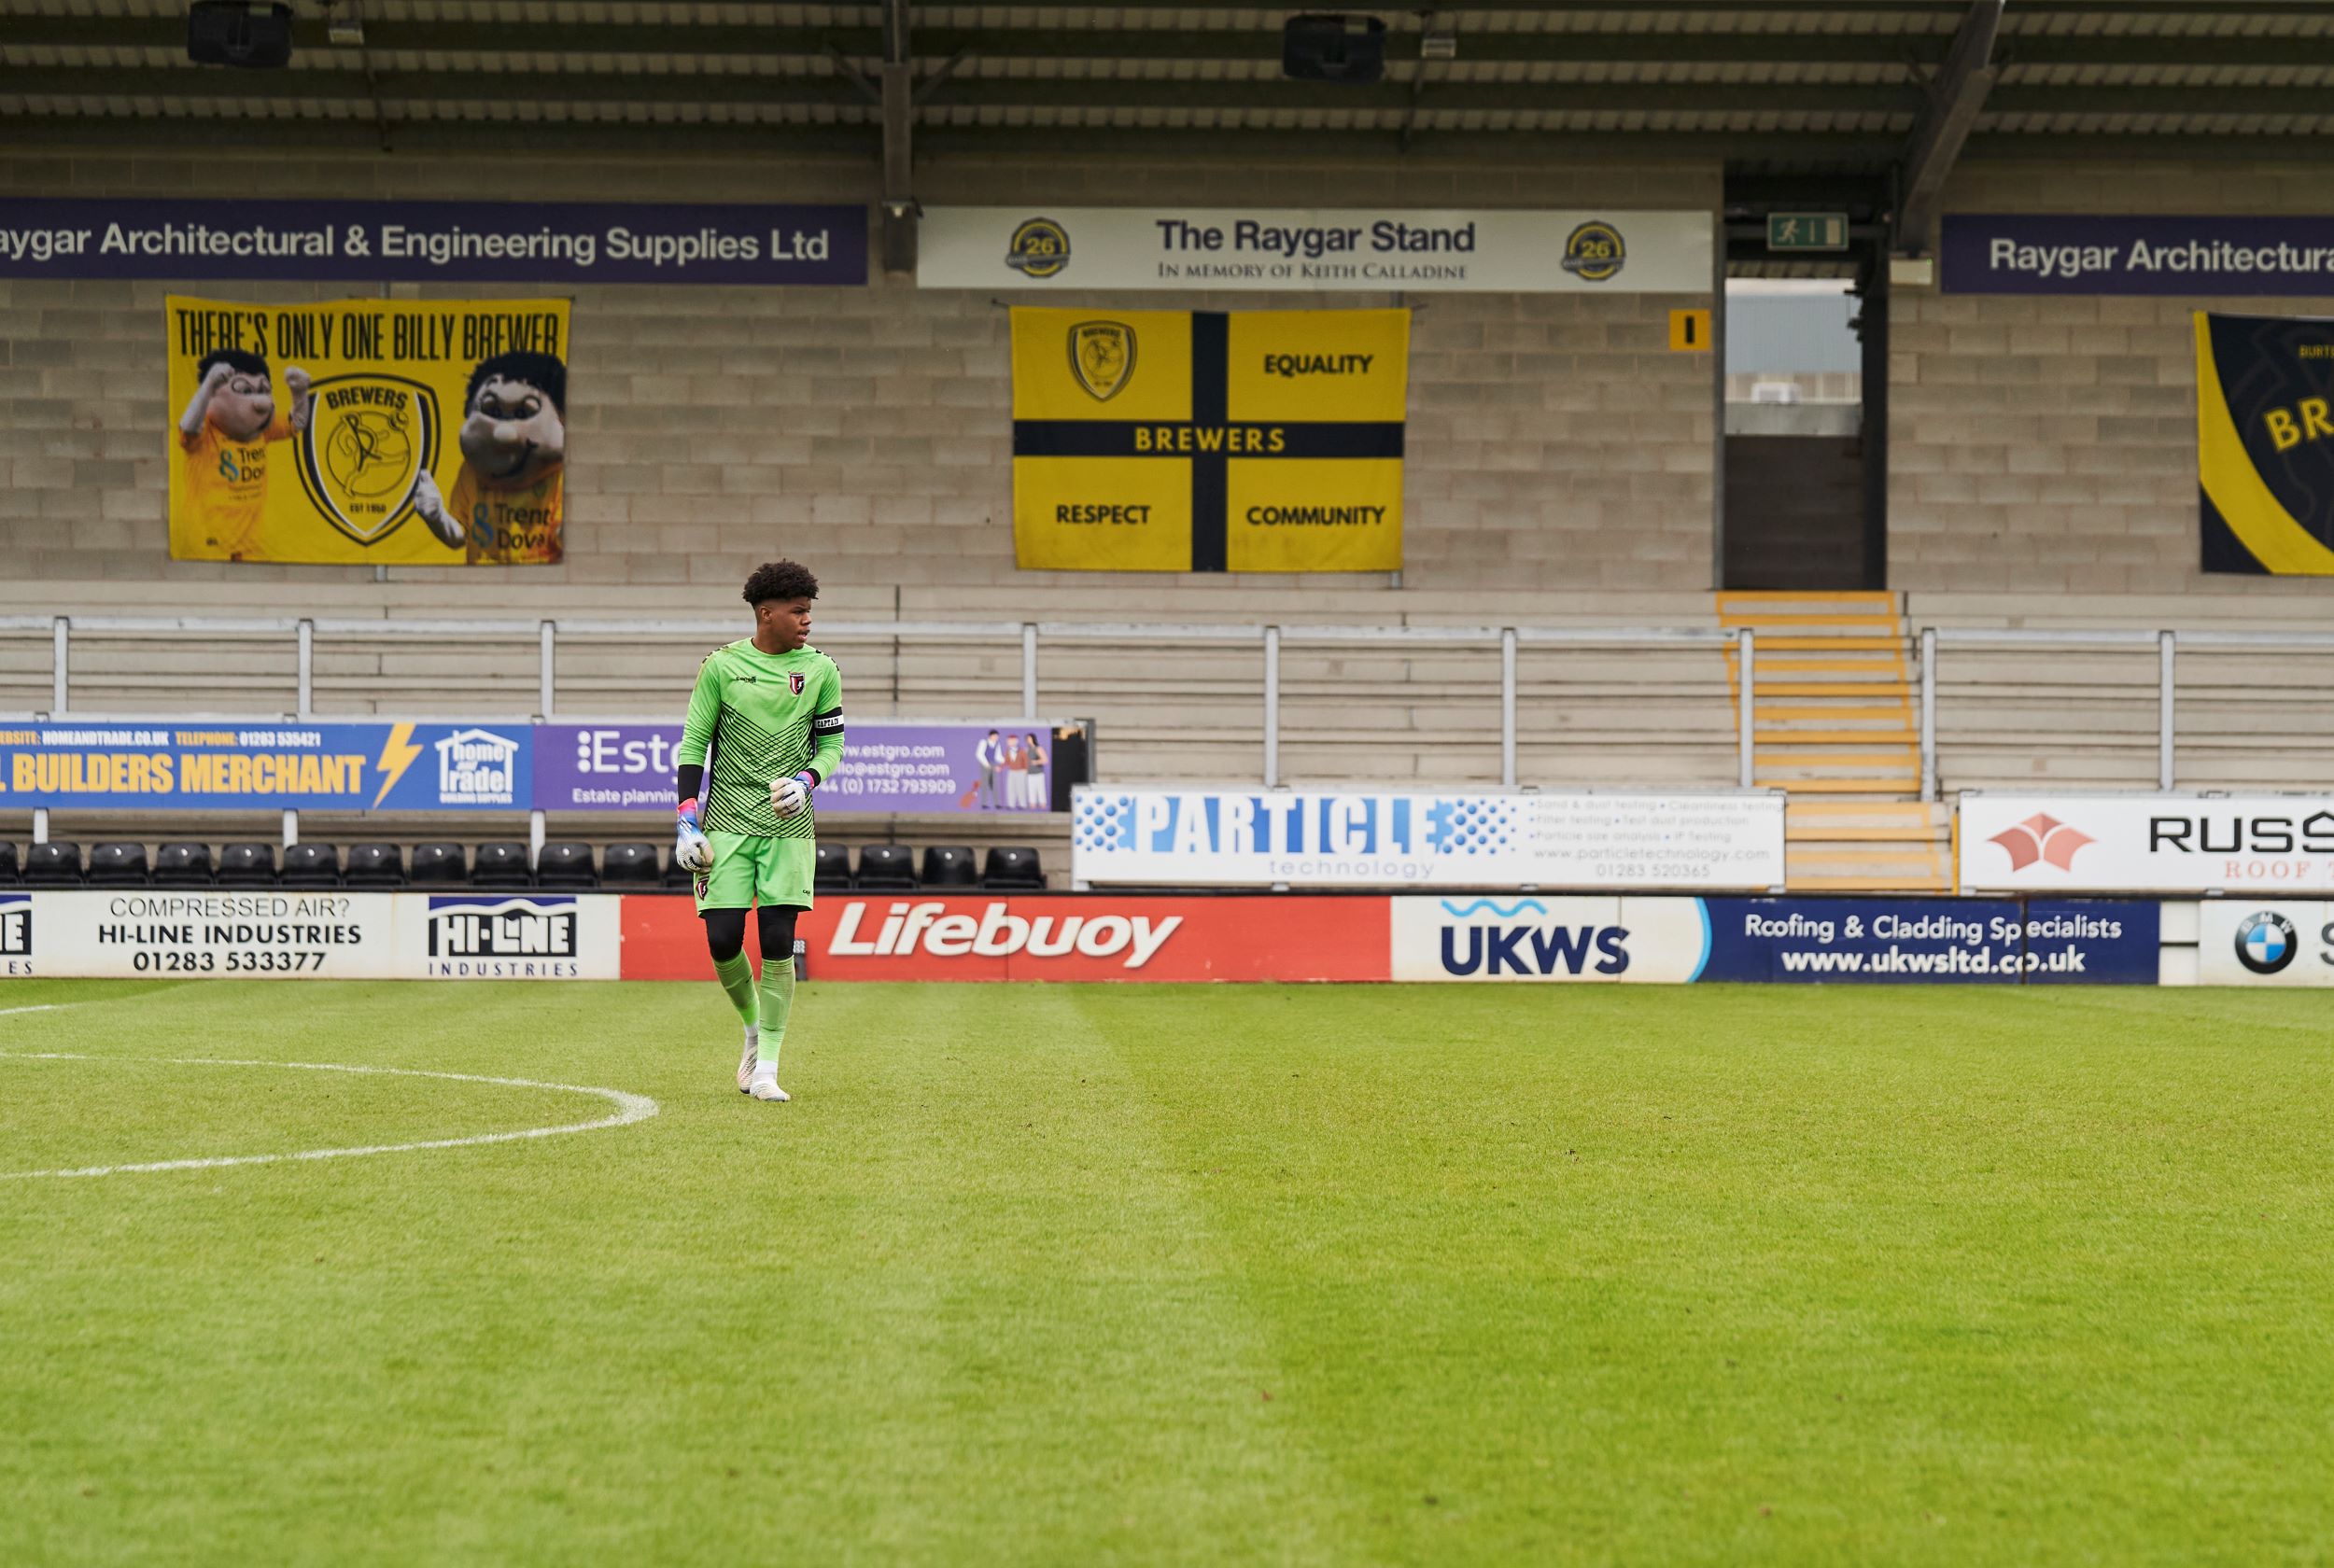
(396, 754)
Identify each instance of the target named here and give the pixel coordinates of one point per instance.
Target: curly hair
(781, 579)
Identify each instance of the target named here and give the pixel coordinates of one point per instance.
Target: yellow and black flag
(2265, 442)
(1196, 440)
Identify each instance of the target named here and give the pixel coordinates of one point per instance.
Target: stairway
(1837, 730)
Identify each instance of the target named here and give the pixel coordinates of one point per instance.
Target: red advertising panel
(1040, 936)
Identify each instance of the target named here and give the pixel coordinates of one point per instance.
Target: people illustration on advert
(223, 437)
(508, 498)
(1036, 795)
(1016, 773)
(988, 756)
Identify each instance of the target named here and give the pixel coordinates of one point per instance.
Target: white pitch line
(44, 1007)
(630, 1108)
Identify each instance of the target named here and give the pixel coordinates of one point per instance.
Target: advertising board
(1174, 836)
(1041, 936)
(2182, 843)
(2258, 941)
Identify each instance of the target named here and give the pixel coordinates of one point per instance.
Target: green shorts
(747, 871)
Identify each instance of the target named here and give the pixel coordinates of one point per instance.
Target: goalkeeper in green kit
(771, 708)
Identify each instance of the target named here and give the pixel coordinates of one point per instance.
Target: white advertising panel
(198, 932)
(1313, 250)
(1246, 838)
(496, 935)
(285, 934)
(2255, 941)
(1525, 938)
(2185, 844)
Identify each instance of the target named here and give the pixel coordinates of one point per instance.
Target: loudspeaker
(232, 33)
(1334, 48)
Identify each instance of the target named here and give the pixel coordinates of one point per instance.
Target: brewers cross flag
(1196, 440)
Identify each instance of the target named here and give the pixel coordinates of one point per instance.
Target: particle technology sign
(1169, 837)
(1312, 250)
(2184, 844)
(2053, 253)
(432, 242)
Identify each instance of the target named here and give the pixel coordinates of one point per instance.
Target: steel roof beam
(1956, 99)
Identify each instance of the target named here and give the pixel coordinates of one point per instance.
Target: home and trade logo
(477, 767)
(2266, 943)
(2041, 837)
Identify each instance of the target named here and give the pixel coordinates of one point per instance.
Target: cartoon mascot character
(223, 437)
(506, 503)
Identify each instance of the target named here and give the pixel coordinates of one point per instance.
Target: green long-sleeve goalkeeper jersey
(767, 716)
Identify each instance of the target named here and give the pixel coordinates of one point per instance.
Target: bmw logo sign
(2265, 942)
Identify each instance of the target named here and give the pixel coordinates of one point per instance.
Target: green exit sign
(1808, 231)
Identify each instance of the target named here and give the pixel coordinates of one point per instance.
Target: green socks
(778, 1000)
(736, 973)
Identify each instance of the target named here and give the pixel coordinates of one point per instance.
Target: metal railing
(1031, 636)
(2166, 642)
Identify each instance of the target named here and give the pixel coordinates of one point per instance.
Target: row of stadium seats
(638, 867)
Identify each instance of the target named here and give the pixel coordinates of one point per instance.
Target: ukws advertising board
(277, 935)
(1315, 250)
(1262, 838)
(2169, 844)
(1670, 941)
(2256, 942)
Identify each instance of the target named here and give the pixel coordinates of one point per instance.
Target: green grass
(1152, 1274)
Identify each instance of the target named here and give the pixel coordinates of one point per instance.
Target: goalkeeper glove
(691, 851)
(789, 795)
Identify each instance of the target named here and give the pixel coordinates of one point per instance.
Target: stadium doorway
(1804, 412)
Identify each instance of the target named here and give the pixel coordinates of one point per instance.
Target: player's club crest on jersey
(1102, 356)
(794, 682)
(368, 439)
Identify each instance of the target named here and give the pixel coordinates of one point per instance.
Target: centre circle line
(629, 1108)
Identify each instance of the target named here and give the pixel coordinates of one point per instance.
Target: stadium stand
(375, 865)
(117, 865)
(182, 865)
(565, 864)
(830, 871)
(629, 865)
(310, 865)
(1008, 867)
(438, 864)
(501, 864)
(7, 862)
(54, 864)
(886, 867)
(247, 865)
(950, 866)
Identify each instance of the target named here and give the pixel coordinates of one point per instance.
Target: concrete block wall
(1555, 441)
(2046, 444)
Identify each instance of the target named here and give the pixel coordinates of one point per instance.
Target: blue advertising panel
(2061, 253)
(1933, 941)
(433, 241)
(198, 766)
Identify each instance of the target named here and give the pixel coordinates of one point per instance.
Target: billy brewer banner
(385, 431)
(2265, 443)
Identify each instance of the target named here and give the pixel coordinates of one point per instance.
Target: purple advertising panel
(891, 767)
(433, 241)
(2056, 253)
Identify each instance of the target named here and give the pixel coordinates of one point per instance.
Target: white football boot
(765, 1085)
(746, 1063)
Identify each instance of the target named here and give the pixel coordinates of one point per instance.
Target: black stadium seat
(247, 865)
(500, 864)
(375, 865)
(950, 866)
(629, 865)
(439, 865)
(565, 865)
(182, 865)
(675, 880)
(117, 865)
(54, 864)
(1012, 866)
(830, 871)
(886, 867)
(7, 862)
(310, 865)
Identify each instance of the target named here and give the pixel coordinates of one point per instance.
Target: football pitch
(1156, 1274)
